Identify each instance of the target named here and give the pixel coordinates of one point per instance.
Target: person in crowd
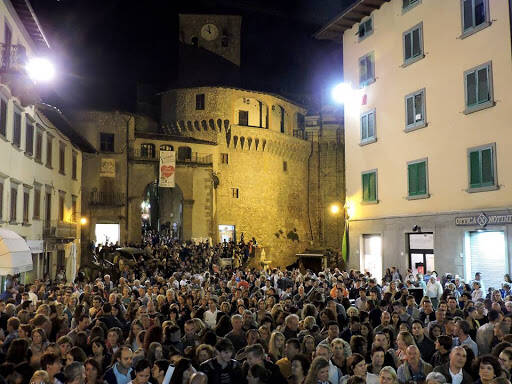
(453, 371)
(319, 371)
(299, 369)
(222, 369)
(178, 304)
(489, 369)
(120, 371)
(413, 368)
(388, 375)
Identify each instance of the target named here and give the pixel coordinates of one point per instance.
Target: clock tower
(219, 34)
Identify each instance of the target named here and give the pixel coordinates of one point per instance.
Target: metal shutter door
(488, 257)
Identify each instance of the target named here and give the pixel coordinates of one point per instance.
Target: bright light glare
(342, 93)
(349, 206)
(335, 209)
(40, 69)
(83, 221)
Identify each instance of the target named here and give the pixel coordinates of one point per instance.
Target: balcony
(193, 158)
(13, 74)
(107, 199)
(54, 229)
(300, 134)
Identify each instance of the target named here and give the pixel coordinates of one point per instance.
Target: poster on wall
(108, 168)
(167, 168)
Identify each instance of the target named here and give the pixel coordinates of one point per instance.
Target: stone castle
(247, 162)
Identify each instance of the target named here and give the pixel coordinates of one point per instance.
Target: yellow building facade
(427, 169)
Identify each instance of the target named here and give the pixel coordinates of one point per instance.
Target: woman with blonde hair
(403, 340)
(276, 346)
(40, 377)
(318, 372)
(388, 375)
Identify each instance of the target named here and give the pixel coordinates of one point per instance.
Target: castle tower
(219, 34)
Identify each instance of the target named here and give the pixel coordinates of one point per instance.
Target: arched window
(147, 151)
(184, 153)
(166, 147)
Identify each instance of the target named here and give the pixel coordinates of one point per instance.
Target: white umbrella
(15, 255)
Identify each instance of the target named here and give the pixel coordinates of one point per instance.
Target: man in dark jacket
(256, 356)
(455, 367)
(120, 372)
(426, 346)
(222, 368)
(107, 318)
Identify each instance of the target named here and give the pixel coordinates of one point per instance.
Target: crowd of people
(175, 317)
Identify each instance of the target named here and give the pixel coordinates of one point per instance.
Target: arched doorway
(162, 210)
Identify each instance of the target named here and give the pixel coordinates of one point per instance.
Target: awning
(15, 255)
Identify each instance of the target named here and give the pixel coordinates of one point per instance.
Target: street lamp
(342, 93)
(40, 69)
(335, 209)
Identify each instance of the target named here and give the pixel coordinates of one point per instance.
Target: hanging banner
(108, 168)
(167, 168)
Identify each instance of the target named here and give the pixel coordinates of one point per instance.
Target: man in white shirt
(210, 316)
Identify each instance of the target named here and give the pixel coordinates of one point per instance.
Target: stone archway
(162, 210)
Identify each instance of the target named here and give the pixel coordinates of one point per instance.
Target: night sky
(103, 48)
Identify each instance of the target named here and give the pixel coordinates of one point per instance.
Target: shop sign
(483, 220)
(36, 246)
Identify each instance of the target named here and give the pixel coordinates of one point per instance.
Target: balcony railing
(300, 134)
(181, 158)
(112, 199)
(60, 230)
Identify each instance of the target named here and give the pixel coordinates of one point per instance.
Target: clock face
(209, 32)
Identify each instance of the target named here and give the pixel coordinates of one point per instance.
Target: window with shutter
(369, 180)
(413, 44)
(415, 110)
(408, 4)
(368, 128)
(29, 139)
(482, 165)
(3, 117)
(365, 28)
(479, 88)
(16, 137)
(366, 70)
(475, 16)
(417, 179)
(243, 118)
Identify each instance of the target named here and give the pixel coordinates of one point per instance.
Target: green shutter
(475, 174)
(413, 180)
(417, 178)
(365, 187)
(487, 167)
(422, 178)
(372, 186)
(369, 187)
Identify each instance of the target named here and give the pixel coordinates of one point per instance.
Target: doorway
(162, 210)
(486, 253)
(371, 257)
(421, 252)
(227, 233)
(107, 233)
